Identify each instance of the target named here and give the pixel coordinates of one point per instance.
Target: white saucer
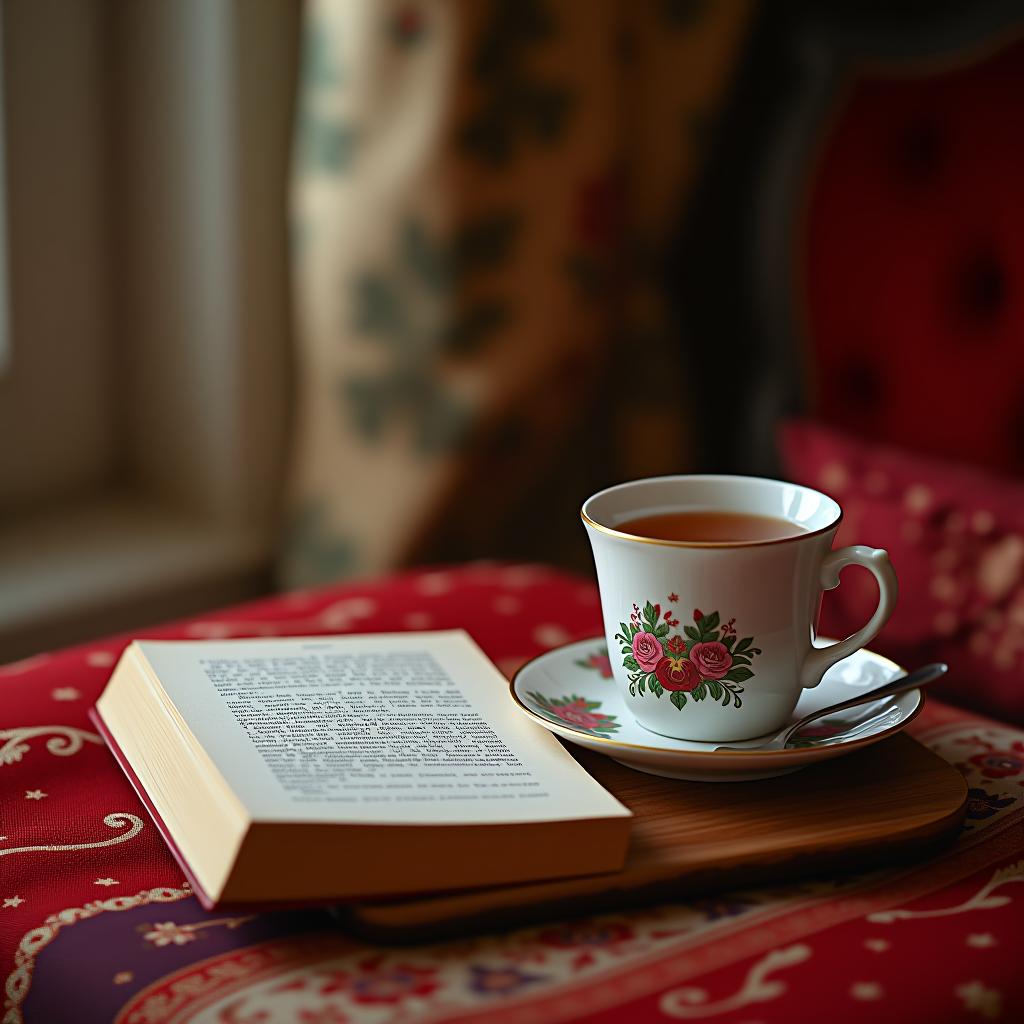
(575, 681)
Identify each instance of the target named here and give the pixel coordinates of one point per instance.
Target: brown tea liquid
(711, 527)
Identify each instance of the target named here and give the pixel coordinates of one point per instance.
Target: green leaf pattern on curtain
(481, 199)
(516, 107)
(408, 310)
(324, 144)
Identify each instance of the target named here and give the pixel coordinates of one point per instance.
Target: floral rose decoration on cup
(647, 651)
(711, 663)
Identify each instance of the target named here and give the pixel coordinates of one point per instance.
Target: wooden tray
(888, 803)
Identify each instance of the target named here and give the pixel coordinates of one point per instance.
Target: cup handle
(876, 560)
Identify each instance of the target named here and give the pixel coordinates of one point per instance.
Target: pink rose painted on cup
(712, 659)
(647, 651)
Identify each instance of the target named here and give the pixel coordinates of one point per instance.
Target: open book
(330, 768)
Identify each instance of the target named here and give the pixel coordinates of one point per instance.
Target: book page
(408, 727)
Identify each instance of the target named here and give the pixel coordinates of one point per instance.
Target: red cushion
(956, 539)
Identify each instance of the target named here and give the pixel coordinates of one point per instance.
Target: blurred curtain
(482, 197)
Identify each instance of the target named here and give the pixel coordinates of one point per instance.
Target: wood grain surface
(886, 804)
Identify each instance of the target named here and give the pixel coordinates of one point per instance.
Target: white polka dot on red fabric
(834, 476)
(99, 659)
(982, 1002)
(944, 588)
(1000, 567)
(209, 630)
(982, 521)
(506, 604)
(867, 991)
(433, 584)
(917, 498)
(346, 613)
(416, 620)
(230, 630)
(550, 634)
(522, 575)
(945, 622)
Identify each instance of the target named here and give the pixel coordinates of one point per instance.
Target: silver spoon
(911, 681)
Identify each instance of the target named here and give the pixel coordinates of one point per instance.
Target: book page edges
(300, 863)
(140, 791)
(209, 804)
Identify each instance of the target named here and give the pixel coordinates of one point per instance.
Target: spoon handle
(911, 681)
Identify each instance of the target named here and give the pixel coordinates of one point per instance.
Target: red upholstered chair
(912, 259)
(910, 285)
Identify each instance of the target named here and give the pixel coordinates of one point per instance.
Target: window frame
(183, 514)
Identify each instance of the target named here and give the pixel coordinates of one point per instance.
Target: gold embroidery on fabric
(168, 933)
(36, 939)
(116, 820)
(692, 1002)
(981, 900)
(68, 741)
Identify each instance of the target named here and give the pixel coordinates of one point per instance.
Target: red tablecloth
(96, 923)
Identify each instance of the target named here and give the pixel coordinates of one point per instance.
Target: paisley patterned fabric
(97, 925)
(482, 198)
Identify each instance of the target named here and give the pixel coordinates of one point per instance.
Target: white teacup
(713, 641)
